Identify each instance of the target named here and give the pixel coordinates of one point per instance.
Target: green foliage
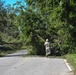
(30, 22)
(8, 31)
(52, 19)
(32, 51)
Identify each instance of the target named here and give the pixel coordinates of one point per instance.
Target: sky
(10, 1)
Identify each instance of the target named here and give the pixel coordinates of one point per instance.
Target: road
(17, 65)
(18, 53)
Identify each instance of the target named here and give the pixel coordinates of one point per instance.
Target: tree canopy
(33, 21)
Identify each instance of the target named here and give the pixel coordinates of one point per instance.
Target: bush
(31, 50)
(55, 50)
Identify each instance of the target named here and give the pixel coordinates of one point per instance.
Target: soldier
(47, 47)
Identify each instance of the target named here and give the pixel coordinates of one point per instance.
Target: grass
(72, 60)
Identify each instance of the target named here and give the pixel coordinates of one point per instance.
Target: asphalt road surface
(18, 53)
(33, 66)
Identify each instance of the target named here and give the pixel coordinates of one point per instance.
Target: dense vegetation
(8, 31)
(30, 22)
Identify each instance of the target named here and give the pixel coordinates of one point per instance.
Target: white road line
(67, 65)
